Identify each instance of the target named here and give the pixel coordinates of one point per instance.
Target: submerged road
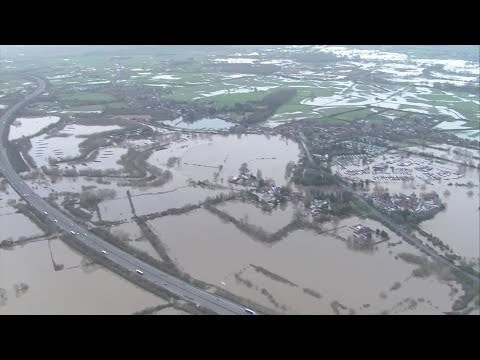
(161, 279)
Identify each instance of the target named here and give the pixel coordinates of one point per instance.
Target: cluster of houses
(362, 235)
(244, 180)
(318, 206)
(425, 205)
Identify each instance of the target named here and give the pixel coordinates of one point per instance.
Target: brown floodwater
(17, 225)
(458, 225)
(201, 156)
(135, 238)
(157, 201)
(74, 290)
(218, 250)
(269, 221)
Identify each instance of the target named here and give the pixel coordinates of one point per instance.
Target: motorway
(159, 278)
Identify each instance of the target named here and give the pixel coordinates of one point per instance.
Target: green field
(87, 108)
(87, 97)
(117, 105)
(290, 108)
(468, 109)
(341, 109)
(437, 97)
(377, 119)
(354, 115)
(332, 121)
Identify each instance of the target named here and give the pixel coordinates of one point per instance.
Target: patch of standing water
(30, 126)
(452, 125)
(75, 129)
(68, 291)
(469, 134)
(205, 123)
(202, 156)
(57, 147)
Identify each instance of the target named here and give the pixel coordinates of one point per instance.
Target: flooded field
(148, 203)
(58, 148)
(6, 196)
(457, 225)
(207, 123)
(30, 126)
(304, 260)
(453, 153)
(107, 158)
(16, 226)
(269, 221)
(131, 231)
(76, 130)
(203, 156)
(32, 286)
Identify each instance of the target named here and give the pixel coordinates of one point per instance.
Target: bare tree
(244, 169)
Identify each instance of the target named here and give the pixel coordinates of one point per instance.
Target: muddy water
(151, 203)
(135, 238)
(5, 196)
(201, 156)
(206, 123)
(106, 159)
(269, 221)
(55, 147)
(71, 291)
(450, 155)
(117, 209)
(458, 225)
(76, 130)
(16, 226)
(170, 311)
(29, 126)
(318, 262)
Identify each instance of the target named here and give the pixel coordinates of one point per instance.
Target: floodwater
(269, 221)
(458, 225)
(202, 156)
(241, 90)
(16, 226)
(170, 311)
(107, 159)
(469, 134)
(135, 238)
(452, 125)
(156, 201)
(462, 154)
(68, 291)
(206, 123)
(321, 263)
(56, 147)
(30, 126)
(116, 209)
(5, 196)
(76, 130)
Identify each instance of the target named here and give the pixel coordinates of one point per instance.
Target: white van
(104, 252)
(140, 272)
(250, 312)
(72, 232)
